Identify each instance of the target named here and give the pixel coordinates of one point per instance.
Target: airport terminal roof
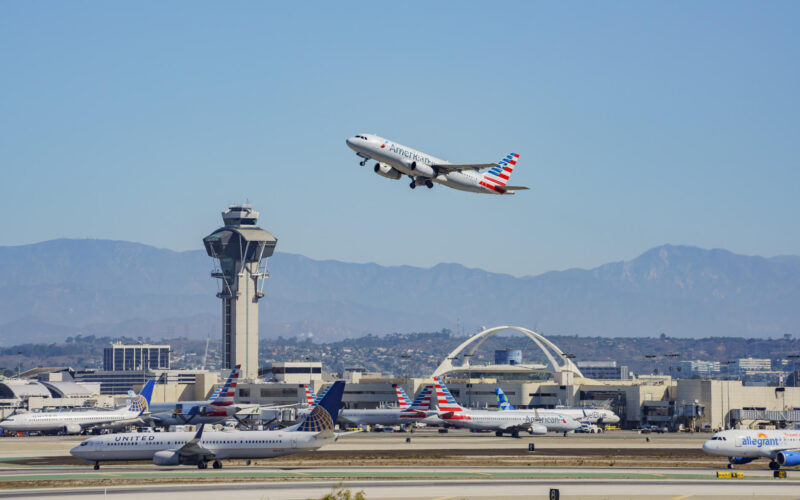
(22, 389)
(67, 390)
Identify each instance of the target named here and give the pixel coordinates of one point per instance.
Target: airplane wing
(193, 448)
(449, 167)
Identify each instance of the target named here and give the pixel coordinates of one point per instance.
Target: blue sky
(638, 123)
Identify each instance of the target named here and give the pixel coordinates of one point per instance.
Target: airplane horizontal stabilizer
(466, 166)
(514, 188)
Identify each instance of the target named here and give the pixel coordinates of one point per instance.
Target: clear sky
(638, 124)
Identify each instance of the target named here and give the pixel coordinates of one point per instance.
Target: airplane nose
(707, 446)
(76, 452)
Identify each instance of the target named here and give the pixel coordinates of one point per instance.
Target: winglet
(199, 434)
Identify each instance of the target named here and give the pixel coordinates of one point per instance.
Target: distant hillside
(62, 287)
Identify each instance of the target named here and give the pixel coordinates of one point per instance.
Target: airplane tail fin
(319, 397)
(423, 399)
(499, 176)
(502, 401)
(444, 400)
(402, 397)
(323, 416)
(310, 396)
(141, 404)
(226, 394)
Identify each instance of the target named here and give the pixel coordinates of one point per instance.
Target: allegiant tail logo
(761, 440)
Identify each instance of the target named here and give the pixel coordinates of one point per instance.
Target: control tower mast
(241, 250)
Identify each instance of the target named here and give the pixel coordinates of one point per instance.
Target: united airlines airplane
(395, 160)
(74, 422)
(187, 448)
(781, 447)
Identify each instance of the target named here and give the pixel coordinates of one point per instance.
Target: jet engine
(741, 460)
(166, 457)
(538, 429)
(72, 429)
(387, 171)
(422, 169)
(788, 458)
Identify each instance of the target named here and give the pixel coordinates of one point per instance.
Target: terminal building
(123, 357)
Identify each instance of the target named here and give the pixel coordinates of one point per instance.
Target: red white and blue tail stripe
(496, 178)
(228, 391)
(310, 396)
(402, 397)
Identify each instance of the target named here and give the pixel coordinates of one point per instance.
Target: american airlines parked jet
(386, 416)
(394, 161)
(217, 408)
(187, 448)
(74, 422)
(781, 447)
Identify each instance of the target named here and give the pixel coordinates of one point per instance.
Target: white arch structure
(565, 366)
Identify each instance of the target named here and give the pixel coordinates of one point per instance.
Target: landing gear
(498, 433)
(202, 465)
(217, 464)
(565, 433)
(730, 466)
(515, 434)
(774, 465)
(96, 466)
(413, 185)
(429, 184)
(363, 163)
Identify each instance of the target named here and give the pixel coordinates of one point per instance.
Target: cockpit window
(361, 137)
(84, 443)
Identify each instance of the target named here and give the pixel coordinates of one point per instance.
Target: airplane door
(739, 442)
(294, 442)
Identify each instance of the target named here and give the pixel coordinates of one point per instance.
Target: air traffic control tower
(241, 250)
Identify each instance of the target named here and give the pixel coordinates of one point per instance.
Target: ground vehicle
(589, 429)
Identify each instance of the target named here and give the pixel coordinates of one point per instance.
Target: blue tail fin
(141, 403)
(323, 416)
(502, 401)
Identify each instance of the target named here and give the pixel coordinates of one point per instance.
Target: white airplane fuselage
(224, 445)
(752, 443)
(400, 158)
(490, 420)
(71, 422)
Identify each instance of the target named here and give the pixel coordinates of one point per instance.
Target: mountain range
(64, 287)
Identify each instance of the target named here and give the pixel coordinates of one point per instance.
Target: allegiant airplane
(780, 446)
(393, 161)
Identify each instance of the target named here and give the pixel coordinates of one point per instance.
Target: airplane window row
(361, 137)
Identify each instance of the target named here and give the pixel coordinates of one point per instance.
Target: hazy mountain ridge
(102, 286)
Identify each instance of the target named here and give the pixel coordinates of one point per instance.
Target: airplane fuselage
(69, 421)
(224, 445)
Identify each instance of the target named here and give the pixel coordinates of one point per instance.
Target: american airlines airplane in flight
(395, 160)
(781, 447)
(188, 448)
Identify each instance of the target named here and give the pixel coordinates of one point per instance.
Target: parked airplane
(74, 422)
(187, 448)
(215, 409)
(394, 160)
(782, 447)
(421, 411)
(584, 416)
(384, 416)
(501, 422)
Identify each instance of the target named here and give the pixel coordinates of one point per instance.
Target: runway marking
(679, 497)
(443, 498)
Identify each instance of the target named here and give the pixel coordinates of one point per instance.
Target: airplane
(215, 409)
(741, 446)
(394, 160)
(187, 448)
(420, 412)
(584, 416)
(384, 416)
(501, 422)
(75, 422)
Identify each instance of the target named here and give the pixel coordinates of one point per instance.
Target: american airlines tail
(445, 400)
(402, 397)
(497, 178)
(310, 396)
(228, 390)
(502, 401)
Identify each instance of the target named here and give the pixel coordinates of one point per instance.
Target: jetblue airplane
(394, 160)
(74, 422)
(187, 448)
(215, 409)
(584, 416)
(781, 447)
(501, 422)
